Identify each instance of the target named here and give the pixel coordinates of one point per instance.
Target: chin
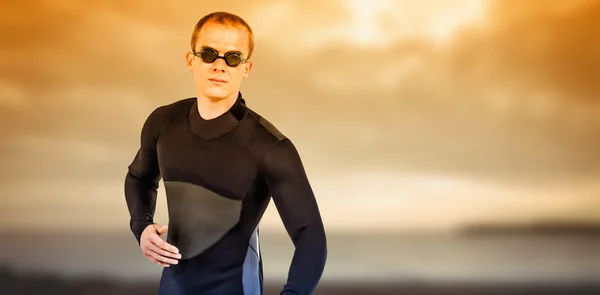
(216, 93)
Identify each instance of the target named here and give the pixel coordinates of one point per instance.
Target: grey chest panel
(198, 217)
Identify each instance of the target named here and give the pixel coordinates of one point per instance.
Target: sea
(352, 256)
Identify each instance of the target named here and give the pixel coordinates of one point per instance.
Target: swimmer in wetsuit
(221, 164)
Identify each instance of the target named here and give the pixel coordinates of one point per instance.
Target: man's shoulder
(264, 127)
(164, 116)
(170, 113)
(176, 108)
(259, 134)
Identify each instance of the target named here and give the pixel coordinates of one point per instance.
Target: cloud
(493, 99)
(91, 46)
(513, 98)
(509, 99)
(542, 46)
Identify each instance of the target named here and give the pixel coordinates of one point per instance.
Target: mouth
(219, 81)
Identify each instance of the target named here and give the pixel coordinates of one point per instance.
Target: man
(221, 163)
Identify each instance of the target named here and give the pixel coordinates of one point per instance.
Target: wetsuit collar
(220, 125)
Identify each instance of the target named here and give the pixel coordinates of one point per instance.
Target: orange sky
(427, 114)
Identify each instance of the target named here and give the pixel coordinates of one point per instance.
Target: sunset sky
(422, 114)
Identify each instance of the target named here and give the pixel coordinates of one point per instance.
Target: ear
(247, 68)
(189, 58)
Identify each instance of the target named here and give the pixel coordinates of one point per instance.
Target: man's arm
(141, 181)
(297, 206)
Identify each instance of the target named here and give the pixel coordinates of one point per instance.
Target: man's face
(217, 80)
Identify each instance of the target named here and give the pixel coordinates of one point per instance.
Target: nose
(219, 65)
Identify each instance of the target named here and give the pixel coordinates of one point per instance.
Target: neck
(210, 108)
(215, 120)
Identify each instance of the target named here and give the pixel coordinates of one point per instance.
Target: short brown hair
(224, 18)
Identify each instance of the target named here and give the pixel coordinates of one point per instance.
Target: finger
(163, 252)
(163, 229)
(160, 258)
(156, 261)
(155, 239)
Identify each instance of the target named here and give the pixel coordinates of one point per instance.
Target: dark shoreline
(12, 283)
(546, 228)
(70, 288)
(449, 289)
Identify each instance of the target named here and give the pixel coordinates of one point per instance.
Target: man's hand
(155, 248)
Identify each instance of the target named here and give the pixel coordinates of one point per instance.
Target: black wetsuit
(219, 177)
